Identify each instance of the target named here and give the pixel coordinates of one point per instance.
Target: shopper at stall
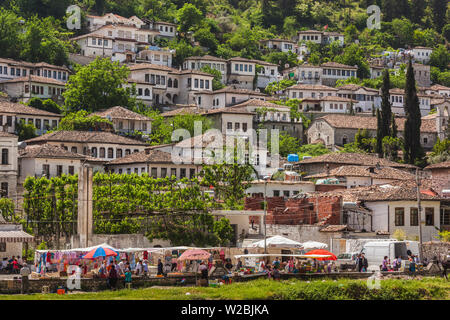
(139, 268)
(203, 270)
(362, 264)
(102, 271)
(145, 267)
(15, 266)
(127, 276)
(239, 264)
(384, 264)
(160, 267)
(112, 277)
(276, 262)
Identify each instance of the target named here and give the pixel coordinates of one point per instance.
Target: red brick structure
(314, 210)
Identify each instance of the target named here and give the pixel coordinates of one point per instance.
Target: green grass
(426, 288)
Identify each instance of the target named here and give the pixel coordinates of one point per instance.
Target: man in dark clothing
(362, 263)
(160, 267)
(112, 278)
(25, 272)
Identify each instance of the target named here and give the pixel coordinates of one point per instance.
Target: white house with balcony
(227, 96)
(197, 63)
(155, 55)
(13, 113)
(241, 72)
(126, 121)
(267, 73)
(397, 102)
(282, 45)
(309, 74)
(422, 54)
(366, 99)
(302, 91)
(333, 71)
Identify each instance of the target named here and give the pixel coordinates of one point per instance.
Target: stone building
(8, 165)
(338, 130)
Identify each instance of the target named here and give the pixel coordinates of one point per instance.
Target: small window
(173, 172)
(399, 216)
(276, 193)
(5, 156)
(429, 216)
(413, 217)
(71, 170)
(59, 170)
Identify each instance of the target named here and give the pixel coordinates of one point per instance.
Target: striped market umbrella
(99, 252)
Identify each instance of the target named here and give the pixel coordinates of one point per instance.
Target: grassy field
(426, 288)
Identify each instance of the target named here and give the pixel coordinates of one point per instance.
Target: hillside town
(125, 147)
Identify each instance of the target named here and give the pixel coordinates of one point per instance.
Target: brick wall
(312, 210)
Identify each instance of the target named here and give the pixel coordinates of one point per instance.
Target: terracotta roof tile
(18, 108)
(441, 165)
(364, 171)
(48, 151)
(146, 156)
(354, 159)
(33, 78)
(370, 123)
(337, 65)
(84, 137)
(119, 112)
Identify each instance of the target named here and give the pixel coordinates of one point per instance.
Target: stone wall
(121, 241)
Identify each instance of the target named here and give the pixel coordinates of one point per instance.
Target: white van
(376, 251)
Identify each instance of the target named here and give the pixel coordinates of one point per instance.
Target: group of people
(11, 266)
(112, 271)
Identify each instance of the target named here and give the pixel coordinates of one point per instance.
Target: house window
(154, 172)
(191, 173)
(413, 217)
(59, 170)
(286, 194)
(38, 124)
(173, 172)
(74, 149)
(276, 193)
(4, 189)
(237, 126)
(5, 156)
(71, 170)
(127, 152)
(399, 216)
(110, 153)
(182, 173)
(102, 152)
(119, 153)
(94, 152)
(229, 125)
(244, 127)
(46, 170)
(429, 216)
(163, 172)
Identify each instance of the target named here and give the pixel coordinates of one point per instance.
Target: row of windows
(413, 217)
(131, 126)
(165, 28)
(316, 74)
(307, 38)
(59, 170)
(156, 79)
(335, 106)
(102, 152)
(100, 42)
(58, 75)
(198, 83)
(237, 126)
(243, 67)
(154, 172)
(39, 124)
(41, 89)
(339, 72)
(313, 94)
(359, 97)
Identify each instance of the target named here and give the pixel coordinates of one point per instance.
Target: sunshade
(276, 242)
(330, 255)
(194, 254)
(99, 252)
(309, 245)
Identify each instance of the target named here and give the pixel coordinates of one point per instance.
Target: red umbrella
(99, 252)
(195, 254)
(322, 252)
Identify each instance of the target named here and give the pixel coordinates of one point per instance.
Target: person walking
(25, 272)
(112, 277)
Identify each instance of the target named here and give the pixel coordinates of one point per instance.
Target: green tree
(82, 121)
(46, 105)
(224, 231)
(206, 39)
(217, 81)
(10, 28)
(7, 209)
(379, 144)
(412, 149)
(354, 55)
(98, 85)
(281, 59)
(189, 17)
(440, 57)
(25, 131)
(439, 9)
(229, 180)
(182, 51)
(288, 145)
(312, 150)
(446, 32)
(441, 151)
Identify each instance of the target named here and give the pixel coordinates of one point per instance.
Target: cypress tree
(394, 135)
(379, 145)
(412, 149)
(386, 110)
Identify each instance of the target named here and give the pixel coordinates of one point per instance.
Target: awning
(15, 236)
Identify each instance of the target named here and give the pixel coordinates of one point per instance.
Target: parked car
(347, 261)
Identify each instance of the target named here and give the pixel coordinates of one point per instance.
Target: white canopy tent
(276, 242)
(310, 245)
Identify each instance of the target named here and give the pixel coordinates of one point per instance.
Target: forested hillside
(35, 30)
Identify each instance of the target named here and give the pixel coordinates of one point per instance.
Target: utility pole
(419, 212)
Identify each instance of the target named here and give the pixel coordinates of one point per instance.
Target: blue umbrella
(99, 252)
